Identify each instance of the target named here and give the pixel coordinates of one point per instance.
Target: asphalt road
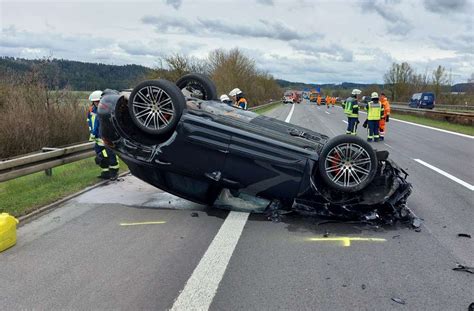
(128, 246)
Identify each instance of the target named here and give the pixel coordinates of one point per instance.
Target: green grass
(459, 128)
(25, 194)
(268, 108)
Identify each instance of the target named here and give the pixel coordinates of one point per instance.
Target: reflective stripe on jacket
(351, 108)
(374, 111)
(93, 122)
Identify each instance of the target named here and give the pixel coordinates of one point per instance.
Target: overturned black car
(179, 138)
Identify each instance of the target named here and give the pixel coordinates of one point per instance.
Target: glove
(365, 124)
(387, 119)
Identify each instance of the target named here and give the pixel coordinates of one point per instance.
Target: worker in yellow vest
(374, 114)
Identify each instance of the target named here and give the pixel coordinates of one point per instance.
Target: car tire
(198, 86)
(155, 106)
(347, 163)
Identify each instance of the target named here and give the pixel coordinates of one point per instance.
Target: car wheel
(347, 163)
(198, 86)
(156, 106)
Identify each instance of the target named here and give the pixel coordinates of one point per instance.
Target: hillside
(78, 76)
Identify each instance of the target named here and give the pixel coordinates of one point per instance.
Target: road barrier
(264, 105)
(44, 160)
(437, 107)
(465, 118)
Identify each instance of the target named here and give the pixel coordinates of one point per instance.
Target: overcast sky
(299, 40)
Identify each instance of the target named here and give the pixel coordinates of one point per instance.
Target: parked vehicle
(181, 139)
(422, 100)
(313, 97)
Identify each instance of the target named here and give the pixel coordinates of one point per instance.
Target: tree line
(228, 69)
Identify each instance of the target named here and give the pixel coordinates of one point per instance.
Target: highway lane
(80, 256)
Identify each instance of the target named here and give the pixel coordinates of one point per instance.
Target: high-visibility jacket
(351, 108)
(93, 122)
(242, 103)
(386, 106)
(319, 99)
(374, 111)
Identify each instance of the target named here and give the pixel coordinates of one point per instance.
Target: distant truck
(424, 100)
(313, 97)
(291, 97)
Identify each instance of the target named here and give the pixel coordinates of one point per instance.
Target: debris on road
(464, 235)
(398, 300)
(460, 267)
(363, 286)
(194, 214)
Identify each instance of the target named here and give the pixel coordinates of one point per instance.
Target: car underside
(179, 138)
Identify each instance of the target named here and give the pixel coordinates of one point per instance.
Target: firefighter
(386, 115)
(351, 109)
(105, 157)
(225, 99)
(374, 114)
(238, 98)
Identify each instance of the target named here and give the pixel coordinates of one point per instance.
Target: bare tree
(440, 79)
(398, 80)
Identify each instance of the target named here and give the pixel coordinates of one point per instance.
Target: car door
(199, 148)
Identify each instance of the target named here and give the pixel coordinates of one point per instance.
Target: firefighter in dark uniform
(105, 157)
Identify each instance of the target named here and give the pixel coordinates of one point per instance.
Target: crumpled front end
(383, 201)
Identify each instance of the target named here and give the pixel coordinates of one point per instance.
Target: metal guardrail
(437, 107)
(44, 160)
(264, 105)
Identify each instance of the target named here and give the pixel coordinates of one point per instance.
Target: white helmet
(235, 92)
(224, 98)
(95, 96)
(356, 92)
(374, 95)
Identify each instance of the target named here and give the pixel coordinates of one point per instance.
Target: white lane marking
(434, 168)
(345, 121)
(388, 145)
(288, 118)
(326, 112)
(201, 287)
(434, 128)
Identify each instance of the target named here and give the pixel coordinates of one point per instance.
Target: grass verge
(24, 194)
(459, 128)
(267, 108)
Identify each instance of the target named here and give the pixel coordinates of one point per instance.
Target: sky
(301, 40)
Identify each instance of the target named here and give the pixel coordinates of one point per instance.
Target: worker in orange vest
(328, 99)
(319, 100)
(386, 115)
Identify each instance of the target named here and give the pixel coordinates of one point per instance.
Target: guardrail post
(48, 171)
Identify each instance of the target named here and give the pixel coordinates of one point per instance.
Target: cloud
(202, 26)
(174, 3)
(265, 2)
(461, 44)
(445, 6)
(396, 23)
(333, 51)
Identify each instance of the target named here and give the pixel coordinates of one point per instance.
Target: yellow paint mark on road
(346, 241)
(142, 223)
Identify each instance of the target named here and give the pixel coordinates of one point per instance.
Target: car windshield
(428, 97)
(416, 96)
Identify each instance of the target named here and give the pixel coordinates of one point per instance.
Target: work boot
(113, 173)
(370, 140)
(376, 139)
(381, 138)
(104, 175)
